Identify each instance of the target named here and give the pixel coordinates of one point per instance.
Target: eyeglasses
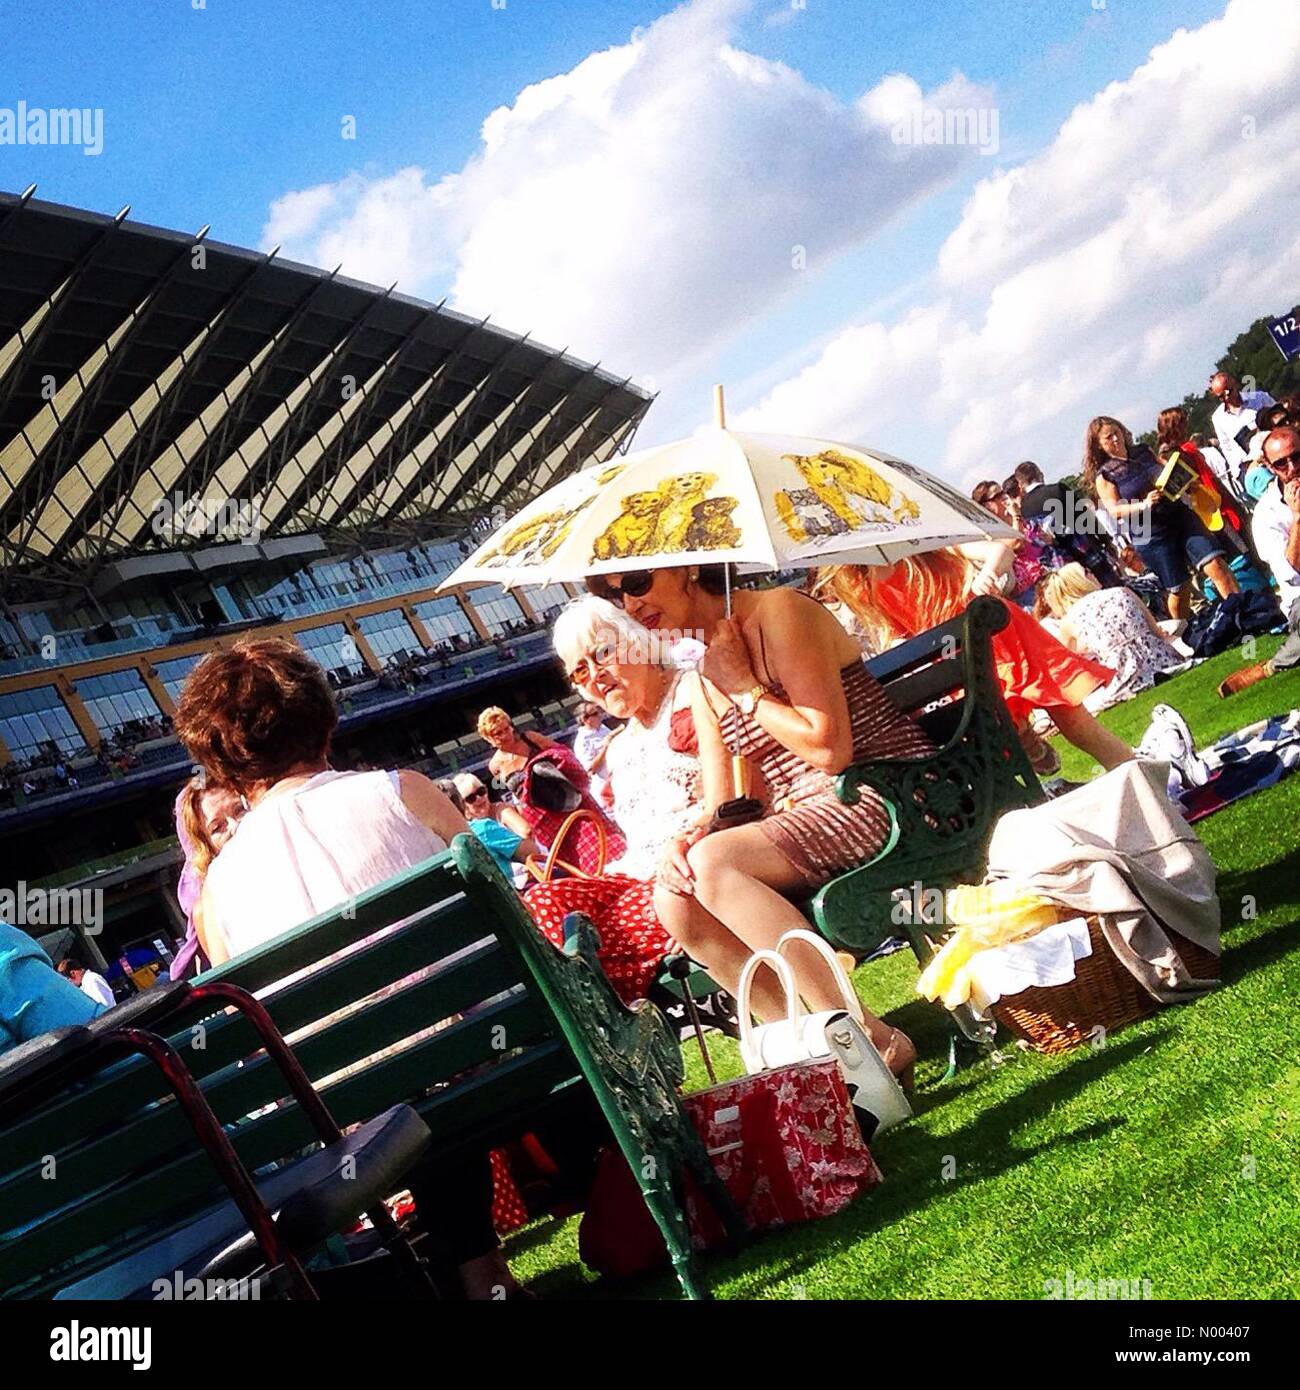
(636, 584)
(598, 658)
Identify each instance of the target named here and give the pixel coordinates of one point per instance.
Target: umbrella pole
(739, 767)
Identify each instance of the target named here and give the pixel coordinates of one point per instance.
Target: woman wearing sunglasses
(783, 686)
(655, 777)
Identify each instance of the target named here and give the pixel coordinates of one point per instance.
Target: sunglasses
(636, 584)
(1286, 462)
(597, 659)
(475, 796)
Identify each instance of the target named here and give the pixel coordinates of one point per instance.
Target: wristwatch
(747, 702)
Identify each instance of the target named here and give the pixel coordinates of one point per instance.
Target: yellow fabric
(984, 916)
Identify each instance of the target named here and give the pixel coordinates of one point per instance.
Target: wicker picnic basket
(1102, 993)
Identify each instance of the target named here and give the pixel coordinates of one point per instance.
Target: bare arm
(1291, 493)
(805, 650)
(995, 559)
(512, 820)
(1153, 623)
(430, 807)
(526, 849)
(214, 945)
(715, 758)
(1110, 498)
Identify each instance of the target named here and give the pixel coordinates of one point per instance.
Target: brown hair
(1171, 429)
(711, 578)
(1094, 456)
(980, 492)
(251, 713)
(190, 809)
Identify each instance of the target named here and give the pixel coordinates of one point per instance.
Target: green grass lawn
(1168, 1155)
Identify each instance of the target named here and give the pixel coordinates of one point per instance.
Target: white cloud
(1106, 273)
(642, 207)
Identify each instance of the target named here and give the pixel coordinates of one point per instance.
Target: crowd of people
(1154, 522)
(697, 805)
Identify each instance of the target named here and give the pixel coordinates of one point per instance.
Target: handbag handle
(852, 1004)
(784, 974)
(544, 874)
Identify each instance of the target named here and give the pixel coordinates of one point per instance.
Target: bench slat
(168, 1190)
(125, 1088)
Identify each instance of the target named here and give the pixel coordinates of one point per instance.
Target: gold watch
(747, 702)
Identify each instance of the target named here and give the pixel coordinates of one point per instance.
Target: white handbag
(801, 1036)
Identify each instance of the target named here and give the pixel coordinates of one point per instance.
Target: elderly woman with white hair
(664, 801)
(655, 774)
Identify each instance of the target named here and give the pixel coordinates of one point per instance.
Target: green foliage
(1253, 358)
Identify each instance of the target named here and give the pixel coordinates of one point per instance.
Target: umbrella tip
(719, 407)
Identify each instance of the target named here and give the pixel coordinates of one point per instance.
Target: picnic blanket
(1243, 763)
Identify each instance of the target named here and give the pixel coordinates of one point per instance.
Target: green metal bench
(525, 1027)
(943, 807)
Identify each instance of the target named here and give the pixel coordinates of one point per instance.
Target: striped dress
(818, 833)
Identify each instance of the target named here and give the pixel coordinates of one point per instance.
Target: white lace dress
(657, 792)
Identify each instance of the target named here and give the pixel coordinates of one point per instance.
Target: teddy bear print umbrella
(758, 501)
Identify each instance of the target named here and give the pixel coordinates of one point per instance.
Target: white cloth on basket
(1044, 960)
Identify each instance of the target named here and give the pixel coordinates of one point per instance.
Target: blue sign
(1286, 334)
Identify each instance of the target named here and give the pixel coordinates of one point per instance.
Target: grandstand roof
(140, 366)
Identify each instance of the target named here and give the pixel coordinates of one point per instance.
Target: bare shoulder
(788, 618)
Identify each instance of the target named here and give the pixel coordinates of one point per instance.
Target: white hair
(466, 782)
(590, 621)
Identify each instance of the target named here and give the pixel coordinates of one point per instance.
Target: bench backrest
(407, 1015)
(952, 664)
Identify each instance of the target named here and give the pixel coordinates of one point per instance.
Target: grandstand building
(197, 441)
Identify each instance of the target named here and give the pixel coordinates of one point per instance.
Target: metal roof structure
(155, 384)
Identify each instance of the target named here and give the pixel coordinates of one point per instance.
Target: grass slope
(1169, 1155)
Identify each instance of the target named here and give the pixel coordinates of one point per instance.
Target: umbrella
(758, 501)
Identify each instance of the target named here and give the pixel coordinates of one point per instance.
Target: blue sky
(215, 114)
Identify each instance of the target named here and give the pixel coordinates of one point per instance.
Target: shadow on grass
(913, 1161)
(1271, 885)
(1242, 958)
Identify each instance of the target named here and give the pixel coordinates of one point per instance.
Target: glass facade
(30, 718)
(389, 634)
(117, 698)
(333, 649)
(498, 610)
(175, 673)
(547, 600)
(445, 619)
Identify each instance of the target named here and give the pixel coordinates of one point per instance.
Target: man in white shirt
(1234, 424)
(1275, 529)
(89, 982)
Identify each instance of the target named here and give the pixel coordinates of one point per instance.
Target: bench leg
(324, 1123)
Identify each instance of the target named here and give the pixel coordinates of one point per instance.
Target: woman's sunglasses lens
(638, 583)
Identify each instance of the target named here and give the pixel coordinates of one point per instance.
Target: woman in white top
(654, 771)
(258, 717)
(1114, 627)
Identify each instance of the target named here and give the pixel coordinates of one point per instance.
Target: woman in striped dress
(782, 684)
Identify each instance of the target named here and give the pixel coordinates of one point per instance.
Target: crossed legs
(737, 907)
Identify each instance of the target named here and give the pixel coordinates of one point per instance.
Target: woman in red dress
(1033, 668)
